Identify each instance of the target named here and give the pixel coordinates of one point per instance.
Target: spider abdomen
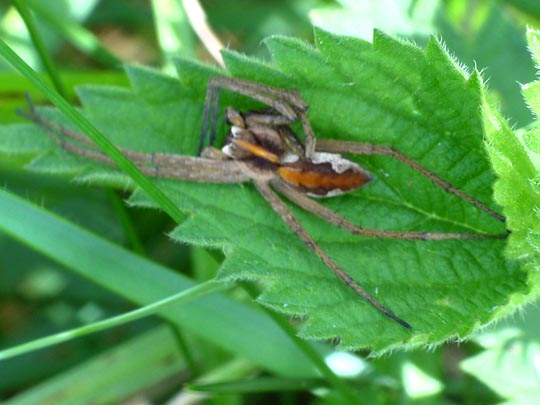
(325, 175)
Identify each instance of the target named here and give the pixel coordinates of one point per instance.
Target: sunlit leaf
(390, 93)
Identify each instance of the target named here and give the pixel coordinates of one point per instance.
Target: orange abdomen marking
(319, 180)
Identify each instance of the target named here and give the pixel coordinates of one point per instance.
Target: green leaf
(517, 162)
(388, 93)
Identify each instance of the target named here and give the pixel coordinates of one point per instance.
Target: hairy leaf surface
(390, 93)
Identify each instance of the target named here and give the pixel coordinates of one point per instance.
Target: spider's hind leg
(302, 200)
(294, 225)
(359, 148)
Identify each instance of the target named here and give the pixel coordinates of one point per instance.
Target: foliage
(387, 92)
(356, 103)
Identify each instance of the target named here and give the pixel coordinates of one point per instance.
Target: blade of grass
(198, 21)
(192, 293)
(236, 368)
(78, 36)
(262, 384)
(87, 128)
(174, 35)
(127, 224)
(153, 350)
(237, 328)
(339, 384)
(41, 49)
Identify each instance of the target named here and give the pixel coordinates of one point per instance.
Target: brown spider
(261, 147)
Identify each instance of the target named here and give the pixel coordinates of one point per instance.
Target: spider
(262, 148)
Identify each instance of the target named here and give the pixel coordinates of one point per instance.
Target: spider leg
(283, 211)
(162, 165)
(289, 103)
(211, 104)
(358, 148)
(265, 118)
(335, 219)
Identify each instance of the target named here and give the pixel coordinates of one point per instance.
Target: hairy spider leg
(303, 174)
(289, 103)
(358, 148)
(211, 105)
(335, 219)
(164, 165)
(283, 211)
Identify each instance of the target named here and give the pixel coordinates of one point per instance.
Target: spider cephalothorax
(269, 146)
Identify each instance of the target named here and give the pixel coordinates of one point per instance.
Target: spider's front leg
(165, 165)
(288, 103)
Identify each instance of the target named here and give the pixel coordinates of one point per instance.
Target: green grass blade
(126, 366)
(103, 143)
(173, 31)
(79, 37)
(192, 293)
(40, 47)
(263, 384)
